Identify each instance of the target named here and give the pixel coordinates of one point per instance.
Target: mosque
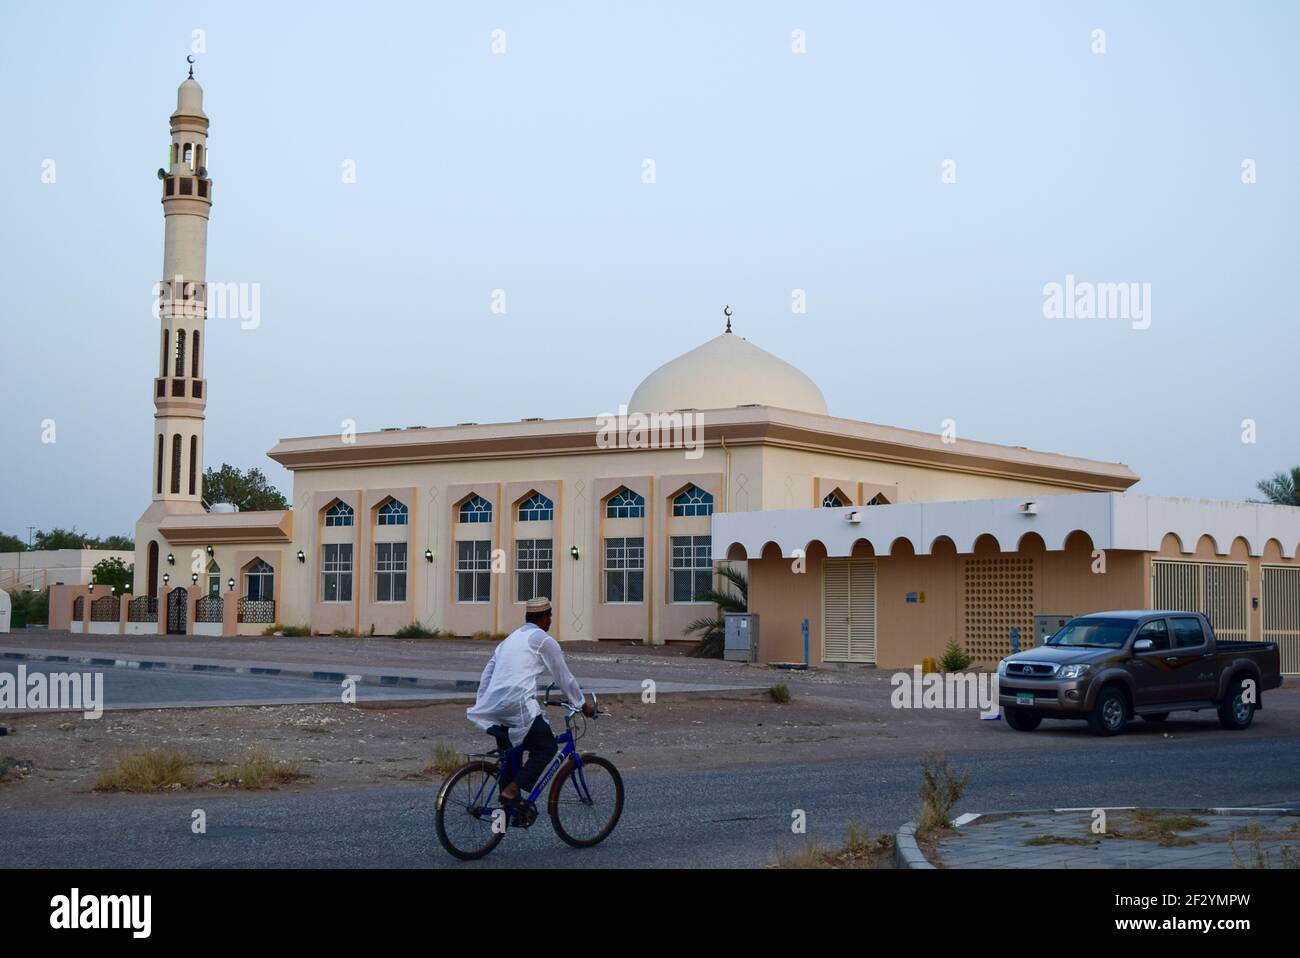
(887, 543)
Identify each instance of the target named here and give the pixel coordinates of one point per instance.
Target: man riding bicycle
(506, 705)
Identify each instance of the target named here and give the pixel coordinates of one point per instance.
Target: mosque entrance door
(178, 601)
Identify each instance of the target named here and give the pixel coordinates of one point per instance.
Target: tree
(712, 630)
(117, 543)
(61, 539)
(113, 571)
(250, 491)
(1283, 489)
(10, 543)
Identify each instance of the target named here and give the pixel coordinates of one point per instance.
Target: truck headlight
(1002, 667)
(1071, 671)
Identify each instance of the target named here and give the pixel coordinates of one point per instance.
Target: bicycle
(583, 814)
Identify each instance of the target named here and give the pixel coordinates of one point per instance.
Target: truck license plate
(1024, 698)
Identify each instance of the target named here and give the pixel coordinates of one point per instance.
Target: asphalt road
(731, 818)
(146, 688)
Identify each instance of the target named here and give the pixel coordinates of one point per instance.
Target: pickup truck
(1108, 667)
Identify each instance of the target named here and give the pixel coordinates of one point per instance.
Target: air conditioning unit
(854, 517)
(1029, 508)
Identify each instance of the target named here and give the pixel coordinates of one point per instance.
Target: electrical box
(1046, 626)
(740, 636)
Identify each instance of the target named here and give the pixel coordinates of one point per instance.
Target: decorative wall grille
(209, 608)
(79, 608)
(257, 610)
(1282, 613)
(1218, 590)
(107, 608)
(143, 608)
(999, 598)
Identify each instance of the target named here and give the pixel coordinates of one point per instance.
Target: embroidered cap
(539, 604)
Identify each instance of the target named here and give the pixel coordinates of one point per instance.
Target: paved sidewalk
(1187, 838)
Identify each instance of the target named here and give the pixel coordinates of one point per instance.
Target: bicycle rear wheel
(467, 811)
(585, 802)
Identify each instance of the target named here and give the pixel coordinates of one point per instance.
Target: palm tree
(1283, 489)
(713, 629)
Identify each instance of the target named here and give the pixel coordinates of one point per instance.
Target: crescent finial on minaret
(726, 311)
(190, 60)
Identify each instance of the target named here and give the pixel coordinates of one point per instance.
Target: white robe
(507, 690)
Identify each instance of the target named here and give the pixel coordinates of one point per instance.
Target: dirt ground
(831, 716)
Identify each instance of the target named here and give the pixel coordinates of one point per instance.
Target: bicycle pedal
(524, 815)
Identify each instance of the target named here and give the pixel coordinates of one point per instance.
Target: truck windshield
(1094, 633)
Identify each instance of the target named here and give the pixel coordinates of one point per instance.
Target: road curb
(908, 854)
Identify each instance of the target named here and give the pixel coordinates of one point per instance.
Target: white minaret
(179, 390)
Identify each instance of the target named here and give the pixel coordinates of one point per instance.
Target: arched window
(180, 353)
(259, 581)
(214, 578)
(833, 500)
(189, 153)
(536, 508)
(476, 509)
(152, 584)
(392, 513)
(194, 465)
(625, 504)
(339, 514)
(176, 153)
(160, 463)
(167, 348)
(176, 464)
(194, 356)
(693, 501)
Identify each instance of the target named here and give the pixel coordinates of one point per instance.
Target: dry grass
(1257, 856)
(860, 851)
(14, 769)
(488, 636)
(941, 789)
(1061, 840)
(153, 770)
(780, 694)
(446, 759)
(257, 770)
(1145, 824)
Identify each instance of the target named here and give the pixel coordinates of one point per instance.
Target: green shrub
(344, 633)
(416, 631)
(780, 694)
(296, 631)
(954, 658)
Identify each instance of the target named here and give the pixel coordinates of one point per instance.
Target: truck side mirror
(1143, 645)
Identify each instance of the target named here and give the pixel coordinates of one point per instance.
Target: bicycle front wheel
(467, 818)
(586, 801)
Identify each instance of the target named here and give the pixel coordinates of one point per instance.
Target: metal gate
(178, 601)
(1216, 589)
(1281, 613)
(849, 610)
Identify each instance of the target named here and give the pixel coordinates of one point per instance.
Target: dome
(189, 98)
(724, 372)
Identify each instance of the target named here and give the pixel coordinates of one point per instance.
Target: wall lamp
(194, 577)
(171, 559)
(166, 578)
(573, 551)
(209, 550)
(91, 587)
(231, 584)
(302, 556)
(428, 555)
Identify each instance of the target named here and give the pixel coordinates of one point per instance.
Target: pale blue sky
(776, 171)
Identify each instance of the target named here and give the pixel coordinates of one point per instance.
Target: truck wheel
(1155, 716)
(1234, 713)
(1022, 720)
(1110, 713)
